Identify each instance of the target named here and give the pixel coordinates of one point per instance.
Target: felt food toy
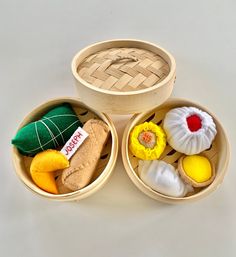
(189, 130)
(49, 161)
(43, 166)
(83, 163)
(163, 178)
(50, 132)
(196, 170)
(147, 141)
(62, 189)
(45, 181)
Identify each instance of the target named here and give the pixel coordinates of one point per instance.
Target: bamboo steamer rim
(171, 62)
(149, 191)
(92, 187)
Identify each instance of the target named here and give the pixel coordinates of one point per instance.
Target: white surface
(38, 40)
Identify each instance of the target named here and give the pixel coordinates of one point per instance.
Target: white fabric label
(74, 142)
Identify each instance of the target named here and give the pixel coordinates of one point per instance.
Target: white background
(37, 42)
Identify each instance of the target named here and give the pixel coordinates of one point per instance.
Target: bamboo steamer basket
(218, 153)
(105, 165)
(124, 76)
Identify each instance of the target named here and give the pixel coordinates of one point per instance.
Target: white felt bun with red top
(189, 130)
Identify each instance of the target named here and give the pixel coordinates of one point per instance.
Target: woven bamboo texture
(170, 155)
(123, 69)
(84, 115)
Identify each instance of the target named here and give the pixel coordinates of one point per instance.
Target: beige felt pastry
(83, 163)
(62, 189)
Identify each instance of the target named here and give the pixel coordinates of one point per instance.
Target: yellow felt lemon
(147, 141)
(197, 168)
(43, 166)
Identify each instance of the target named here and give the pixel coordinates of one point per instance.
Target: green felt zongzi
(50, 132)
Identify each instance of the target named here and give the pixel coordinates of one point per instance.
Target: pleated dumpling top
(189, 130)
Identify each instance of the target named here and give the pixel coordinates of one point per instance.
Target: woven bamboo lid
(123, 69)
(123, 76)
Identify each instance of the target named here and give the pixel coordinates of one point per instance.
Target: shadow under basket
(105, 165)
(218, 153)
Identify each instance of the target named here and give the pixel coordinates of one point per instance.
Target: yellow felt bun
(146, 153)
(196, 170)
(43, 166)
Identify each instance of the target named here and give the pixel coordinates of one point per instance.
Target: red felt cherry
(194, 122)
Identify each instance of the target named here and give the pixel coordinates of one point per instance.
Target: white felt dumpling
(163, 178)
(189, 130)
